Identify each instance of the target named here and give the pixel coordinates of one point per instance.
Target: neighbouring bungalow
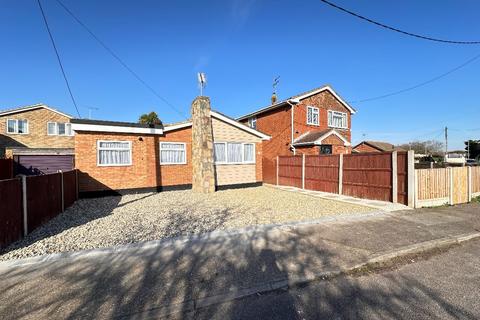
(116, 157)
(375, 146)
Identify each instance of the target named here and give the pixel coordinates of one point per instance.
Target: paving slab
(171, 276)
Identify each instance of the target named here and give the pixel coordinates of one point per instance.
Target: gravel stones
(110, 221)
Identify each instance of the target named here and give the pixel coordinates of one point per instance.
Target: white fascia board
(345, 141)
(329, 89)
(114, 129)
(177, 126)
(254, 113)
(239, 125)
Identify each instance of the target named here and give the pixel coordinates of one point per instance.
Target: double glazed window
(337, 119)
(16, 126)
(234, 152)
(313, 116)
(114, 153)
(59, 129)
(173, 153)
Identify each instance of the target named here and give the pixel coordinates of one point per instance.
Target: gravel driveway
(109, 221)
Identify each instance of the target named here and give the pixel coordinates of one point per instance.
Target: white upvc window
(234, 153)
(337, 119)
(173, 153)
(313, 116)
(252, 122)
(17, 126)
(114, 153)
(59, 129)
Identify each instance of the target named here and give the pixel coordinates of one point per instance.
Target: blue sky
(242, 45)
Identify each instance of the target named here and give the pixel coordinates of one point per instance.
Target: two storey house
(314, 122)
(39, 139)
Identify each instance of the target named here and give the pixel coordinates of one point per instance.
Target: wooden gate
(460, 185)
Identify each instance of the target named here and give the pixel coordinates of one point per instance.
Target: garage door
(44, 164)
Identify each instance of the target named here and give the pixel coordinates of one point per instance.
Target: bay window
(234, 153)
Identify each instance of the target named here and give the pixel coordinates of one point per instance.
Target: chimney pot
(274, 98)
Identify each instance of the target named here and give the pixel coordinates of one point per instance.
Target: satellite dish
(202, 81)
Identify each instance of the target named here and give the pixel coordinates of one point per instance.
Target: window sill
(114, 165)
(233, 164)
(173, 164)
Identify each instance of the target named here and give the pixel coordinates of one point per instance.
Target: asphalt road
(445, 286)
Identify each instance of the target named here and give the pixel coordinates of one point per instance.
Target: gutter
(292, 103)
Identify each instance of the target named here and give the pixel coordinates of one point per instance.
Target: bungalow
(375, 146)
(211, 151)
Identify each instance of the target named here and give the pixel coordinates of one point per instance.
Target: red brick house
(117, 157)
(375, 146)
(314, 122)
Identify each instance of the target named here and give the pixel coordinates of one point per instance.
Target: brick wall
(37, 136)
(365, 148)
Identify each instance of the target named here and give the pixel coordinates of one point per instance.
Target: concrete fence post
(469, 179)
(277, 169)
(62, 189)
(24, 205)
(303, 171)
(394, 177)
(340, 174)
(412, 185)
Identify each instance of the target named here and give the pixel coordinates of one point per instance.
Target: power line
(397, 30)
(420, 84)
(113, 54)
(58, 57)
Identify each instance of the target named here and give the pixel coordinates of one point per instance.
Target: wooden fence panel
(460, 185)
(402, 178)
(269, 168)
(290, 171)
(11, 213)
(321, 173)
(476, 179)
(368, 176)
(433, 184)
(70, 188)
(6, 169)
(44, 199)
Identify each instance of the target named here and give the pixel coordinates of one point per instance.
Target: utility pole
(446, 141)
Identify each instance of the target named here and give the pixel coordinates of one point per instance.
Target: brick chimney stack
(274, 98)
(203, 179)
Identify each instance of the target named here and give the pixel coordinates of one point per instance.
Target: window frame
(114, 164)
(27, 127)
(314, 109)
(67, 124)
(243, 153)
(170, 163)
(332, 112)
(252, 121)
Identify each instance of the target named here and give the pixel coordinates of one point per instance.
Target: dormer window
(17, 126)
(313, 117)
(252, 122)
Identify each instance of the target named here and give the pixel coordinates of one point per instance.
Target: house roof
(30, 108)
(316, 137)
(300, 96)
(381, 146)
(220, 116)
(115, 126)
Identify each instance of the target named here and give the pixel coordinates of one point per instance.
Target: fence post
(469, 179)
(340, 174)
(24, 202)
(76, 184)
(411, 178)
(394, 177)
(63, 191)
(450, 183)
(303, 171)
(277, 169)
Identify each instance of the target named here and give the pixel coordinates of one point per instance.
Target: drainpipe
(292, 103)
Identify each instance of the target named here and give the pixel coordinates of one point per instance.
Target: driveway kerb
(192, 239)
